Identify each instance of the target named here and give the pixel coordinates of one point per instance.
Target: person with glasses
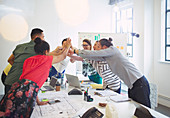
(88, 69)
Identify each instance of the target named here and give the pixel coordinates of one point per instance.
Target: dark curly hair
(106, 42)
(41, 46)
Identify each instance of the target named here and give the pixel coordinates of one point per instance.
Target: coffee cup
(57, 87)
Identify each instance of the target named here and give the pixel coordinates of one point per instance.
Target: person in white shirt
(58, 69)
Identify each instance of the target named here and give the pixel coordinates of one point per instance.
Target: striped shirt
(110, 79)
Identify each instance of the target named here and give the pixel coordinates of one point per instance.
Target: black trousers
(140, 92)
(3, 76)
(7, 87)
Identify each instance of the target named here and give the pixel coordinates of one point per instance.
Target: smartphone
(53, 101)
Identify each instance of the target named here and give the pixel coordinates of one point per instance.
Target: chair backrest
(153, 95)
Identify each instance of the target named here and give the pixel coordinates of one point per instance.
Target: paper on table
(119, 98)
(66, 108)
(50, 95)
(96, 86)
(106, 93)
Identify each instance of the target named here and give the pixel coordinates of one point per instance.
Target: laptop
(51, 86)
(73, 80)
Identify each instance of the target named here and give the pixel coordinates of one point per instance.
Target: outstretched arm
(88, 55)
(59, 50)
(96, 53)
(61, 55)
(77, 58)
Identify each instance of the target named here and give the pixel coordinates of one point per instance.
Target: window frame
(121, 28)
(166, 28)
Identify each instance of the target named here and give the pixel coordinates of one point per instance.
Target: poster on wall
(118, 40)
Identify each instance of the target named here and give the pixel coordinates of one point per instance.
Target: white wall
(143, 46)
(148, 40)
(42, 14)
(147, 49)
(161, 70)
(138, 43)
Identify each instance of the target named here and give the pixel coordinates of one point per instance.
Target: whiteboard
(119, 40)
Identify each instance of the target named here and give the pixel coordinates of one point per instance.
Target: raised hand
(58, 49)
(68, 43)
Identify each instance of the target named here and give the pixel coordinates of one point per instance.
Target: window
(124, 24)
(167, 31)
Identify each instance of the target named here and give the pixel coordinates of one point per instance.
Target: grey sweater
(118, 64)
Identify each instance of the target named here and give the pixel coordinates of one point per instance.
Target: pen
(99, 89)
(87, 89)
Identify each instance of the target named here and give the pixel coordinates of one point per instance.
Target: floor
(162, 109)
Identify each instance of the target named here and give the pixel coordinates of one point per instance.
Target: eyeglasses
(85, 45)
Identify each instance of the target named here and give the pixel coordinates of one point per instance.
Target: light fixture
(72, 12)
(116, 8)
(13, 27)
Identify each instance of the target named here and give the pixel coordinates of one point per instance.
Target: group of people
(98, 70)
(31, 63)
(111, 57)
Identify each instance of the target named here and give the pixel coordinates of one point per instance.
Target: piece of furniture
(74, 106)
(153, 95)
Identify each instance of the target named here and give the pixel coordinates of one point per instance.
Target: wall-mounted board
(119, 41)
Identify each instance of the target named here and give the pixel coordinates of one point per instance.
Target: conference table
(74, 106)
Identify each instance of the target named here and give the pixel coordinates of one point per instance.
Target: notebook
(51, 85)
(73, 80)
(120, 98)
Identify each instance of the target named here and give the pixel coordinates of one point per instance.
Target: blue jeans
(140, 92)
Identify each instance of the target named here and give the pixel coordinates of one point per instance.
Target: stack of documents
(105, 93)
(119, 98)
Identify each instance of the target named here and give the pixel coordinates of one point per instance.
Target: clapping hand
(68, 43)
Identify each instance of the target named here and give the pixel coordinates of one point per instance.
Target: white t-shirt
(61, 66)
